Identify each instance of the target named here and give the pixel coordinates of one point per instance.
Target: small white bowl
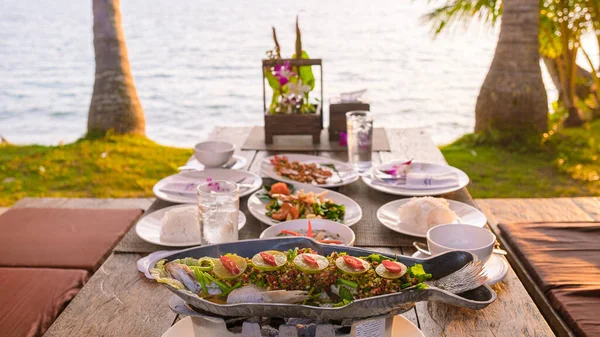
(213, 154)
(476, 240)
(346, 234)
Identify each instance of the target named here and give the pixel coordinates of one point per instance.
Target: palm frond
(455, 12)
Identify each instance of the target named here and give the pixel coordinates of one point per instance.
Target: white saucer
(401, 327)
(236, 162)
(148, 228)
(495, 268)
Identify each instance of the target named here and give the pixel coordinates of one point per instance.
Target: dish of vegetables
(284, 202)
(299, 275)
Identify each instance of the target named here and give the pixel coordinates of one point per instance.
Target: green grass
(567, 163)
(112, 167)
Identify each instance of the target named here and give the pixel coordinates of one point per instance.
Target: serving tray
(438, 266)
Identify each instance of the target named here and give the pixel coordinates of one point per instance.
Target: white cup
(473, 239)
(213, 153)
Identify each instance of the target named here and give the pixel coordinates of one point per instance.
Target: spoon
(422, 247)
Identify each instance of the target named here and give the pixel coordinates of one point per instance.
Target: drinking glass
(359, 125)
(218, 206)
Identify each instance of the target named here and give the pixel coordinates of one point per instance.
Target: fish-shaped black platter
(438, 266)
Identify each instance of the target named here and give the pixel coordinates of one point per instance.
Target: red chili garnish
(230, 265)
(310, 260)
(354, 262)
(289, 232)
(309, 230)
(391, 266)
(268, 258)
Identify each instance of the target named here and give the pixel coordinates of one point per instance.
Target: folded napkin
(181, 188)
(420, 181)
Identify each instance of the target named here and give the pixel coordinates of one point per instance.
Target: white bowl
(213, 154)
(476, 240)
(346, 234)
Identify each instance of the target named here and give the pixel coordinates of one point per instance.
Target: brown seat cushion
(579, 306)
(564, 260)
(32, 298)
(62, 237)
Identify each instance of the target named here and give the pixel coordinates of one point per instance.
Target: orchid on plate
(398, 169)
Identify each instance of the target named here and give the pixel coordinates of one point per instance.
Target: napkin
(420, 181)
(188, 188)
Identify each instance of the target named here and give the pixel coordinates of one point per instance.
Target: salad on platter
(299, 275)
(284, 203)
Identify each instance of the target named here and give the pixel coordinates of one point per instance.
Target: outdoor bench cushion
(32, 298)
(564, 260)
(62, 237)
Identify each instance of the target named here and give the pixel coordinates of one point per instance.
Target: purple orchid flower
(397, 170)
(343, 139)
(283, 72)
(215, 187)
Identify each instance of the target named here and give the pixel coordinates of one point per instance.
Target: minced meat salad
(333, 280)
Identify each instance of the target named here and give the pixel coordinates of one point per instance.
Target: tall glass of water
(359, 125)
(218, 205)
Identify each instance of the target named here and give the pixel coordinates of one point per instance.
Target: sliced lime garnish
(300, 262)
(261, 264)
(346, 268)
(383, 272)
(224, 274)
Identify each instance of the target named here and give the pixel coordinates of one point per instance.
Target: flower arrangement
(291, 83)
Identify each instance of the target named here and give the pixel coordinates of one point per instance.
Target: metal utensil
(422, 247)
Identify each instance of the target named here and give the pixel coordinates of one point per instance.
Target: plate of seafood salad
(284, 202)
(310, 170)
(295, 276)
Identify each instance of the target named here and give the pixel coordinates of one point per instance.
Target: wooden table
(120, 301)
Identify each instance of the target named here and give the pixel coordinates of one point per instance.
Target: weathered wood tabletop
(120, 301)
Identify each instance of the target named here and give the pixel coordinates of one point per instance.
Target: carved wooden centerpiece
(290, 111)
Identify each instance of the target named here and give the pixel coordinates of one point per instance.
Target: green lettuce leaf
(160, 275)
(418, 272)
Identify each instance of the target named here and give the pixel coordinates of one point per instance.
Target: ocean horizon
(197, 64)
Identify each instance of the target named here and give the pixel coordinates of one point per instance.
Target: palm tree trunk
(115, 104)
(584, 83)
(513, 98)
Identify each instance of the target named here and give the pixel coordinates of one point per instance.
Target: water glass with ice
(359, 125)
(218, 206)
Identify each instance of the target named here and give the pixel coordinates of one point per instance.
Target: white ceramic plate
(346, 174)
(401, 327)
(346, 235)
(250, 180)
(236, 162)
(463, 180)
(352, 215)
(388, 215)
(495, 268)
(148, 228)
